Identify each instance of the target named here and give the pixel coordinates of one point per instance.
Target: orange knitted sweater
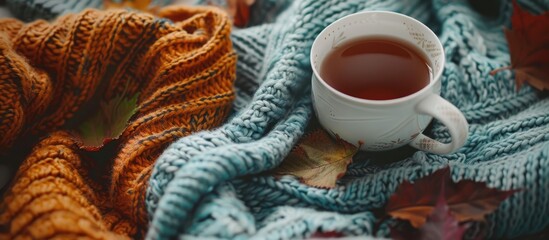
(52, 75)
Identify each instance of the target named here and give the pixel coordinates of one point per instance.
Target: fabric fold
(507, 148)
(180, 66)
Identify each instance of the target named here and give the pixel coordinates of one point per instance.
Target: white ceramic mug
(378, 125)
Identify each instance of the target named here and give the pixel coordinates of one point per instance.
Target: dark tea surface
(376, 68)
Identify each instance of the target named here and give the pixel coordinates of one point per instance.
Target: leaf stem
(493, 72)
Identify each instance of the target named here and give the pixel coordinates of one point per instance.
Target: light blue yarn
(30, 10)
(214, 184)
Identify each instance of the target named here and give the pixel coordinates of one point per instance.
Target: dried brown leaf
(318, 159)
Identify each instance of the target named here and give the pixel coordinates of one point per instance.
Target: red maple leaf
(441, 224)
(330, 234)
(467, 200)
(528, 42)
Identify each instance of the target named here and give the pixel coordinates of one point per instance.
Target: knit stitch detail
(30, 10)
(508, 145)
(181, 65)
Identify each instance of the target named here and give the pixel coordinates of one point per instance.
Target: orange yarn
(51, 74)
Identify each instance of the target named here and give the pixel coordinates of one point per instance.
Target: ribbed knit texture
(52, 75)
(29, 10)
(214, 183)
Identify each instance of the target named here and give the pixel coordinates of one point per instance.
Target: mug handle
(439, 108)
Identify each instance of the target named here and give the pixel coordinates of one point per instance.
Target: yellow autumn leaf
(318, 159)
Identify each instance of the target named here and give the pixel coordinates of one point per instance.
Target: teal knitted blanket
(215, 184)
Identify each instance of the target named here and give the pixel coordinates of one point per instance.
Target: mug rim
(436, 76)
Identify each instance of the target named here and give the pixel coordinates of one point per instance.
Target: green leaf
(318, 159)
(108, 123)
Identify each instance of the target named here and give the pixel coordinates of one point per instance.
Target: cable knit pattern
(52, 75)
(213, 184)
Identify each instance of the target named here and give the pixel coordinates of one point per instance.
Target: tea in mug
(376, 68)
